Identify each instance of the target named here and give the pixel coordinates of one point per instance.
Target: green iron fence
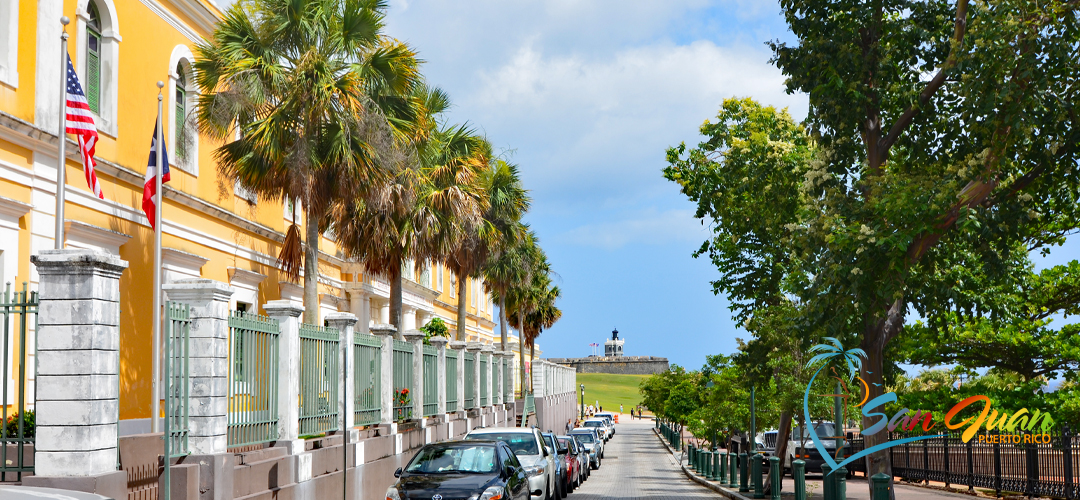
(253, 379)
(177, 375)
(318, 379)
(19, 314)
(367, 370)
(451, 380)
(508, 380)
(431, 381)
(485, 374)
(403, 380)
(470, 376)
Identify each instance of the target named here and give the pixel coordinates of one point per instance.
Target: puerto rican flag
(80, 122)
(149, 192)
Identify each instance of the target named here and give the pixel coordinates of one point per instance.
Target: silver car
(600, 425)
(593, 443)
(532, 451)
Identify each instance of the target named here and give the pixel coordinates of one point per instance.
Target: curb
(733, 495)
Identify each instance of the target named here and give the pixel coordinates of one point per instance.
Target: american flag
(81, 124)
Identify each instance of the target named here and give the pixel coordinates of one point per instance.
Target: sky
(585, 96)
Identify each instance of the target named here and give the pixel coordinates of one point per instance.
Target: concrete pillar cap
(473, 346)
(457, 344)
(383, 329)
(283, 308)
(438, 341)
(413, 335)
(341, 320)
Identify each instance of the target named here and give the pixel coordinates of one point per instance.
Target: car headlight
(392, 493)
(492, 493)
(533, 470)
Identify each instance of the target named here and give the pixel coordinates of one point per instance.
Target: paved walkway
(635, 466)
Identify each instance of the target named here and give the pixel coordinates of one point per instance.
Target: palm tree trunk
(311, 266)
(521, 350)
(396, 318)
(462, 288)
(502, 321)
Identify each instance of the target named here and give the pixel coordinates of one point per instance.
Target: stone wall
(619, 365)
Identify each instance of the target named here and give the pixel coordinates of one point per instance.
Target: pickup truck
(810, 453)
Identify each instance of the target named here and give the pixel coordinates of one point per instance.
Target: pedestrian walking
(620, 409)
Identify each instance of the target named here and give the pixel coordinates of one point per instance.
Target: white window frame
(181, 56)
(105, 118)
(9, 43)
(439, 277)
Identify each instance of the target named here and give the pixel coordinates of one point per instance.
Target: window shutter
(181, 101)
(93, 72)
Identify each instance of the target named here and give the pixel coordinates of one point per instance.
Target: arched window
(181, 104)
(9, 42)
(93, 57)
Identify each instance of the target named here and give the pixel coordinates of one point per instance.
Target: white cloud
(649, 228)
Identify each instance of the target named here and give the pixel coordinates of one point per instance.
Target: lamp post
(582, 401)
(753, 421)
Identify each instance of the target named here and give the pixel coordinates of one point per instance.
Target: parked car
(537, 458)
(810, 453)
(589, 438)
(481, 470)
(579, 457)
(610, 418)
(599, 424)
(561, 464)
(35, 493)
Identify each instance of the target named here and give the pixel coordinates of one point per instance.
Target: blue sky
(585, 96)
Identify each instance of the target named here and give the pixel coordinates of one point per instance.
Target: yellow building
(212, 229)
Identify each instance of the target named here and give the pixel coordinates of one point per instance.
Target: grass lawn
(611, 390)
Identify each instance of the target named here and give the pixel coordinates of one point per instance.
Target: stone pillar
(78, 367)
(488, 350)
(474, 348)
(288, 314)
(384, 313)
(386, 381)
(416, 338)
(345, 325)
(440, 375)
(459, 346)
(209, 361)
(496, 378)
(408, 318)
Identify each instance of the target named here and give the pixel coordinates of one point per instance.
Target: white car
(531, 450)
(610, 418)
(600, 425)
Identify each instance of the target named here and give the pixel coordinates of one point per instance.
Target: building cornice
(97, 235)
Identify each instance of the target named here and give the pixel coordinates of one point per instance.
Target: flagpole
(61, 163)
(158, 208)
(155, 402)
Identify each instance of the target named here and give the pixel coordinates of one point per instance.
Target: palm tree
(524, 297)
(544, 314)
(413, 214)
(302, 84)
(509, 201)
(852, 357)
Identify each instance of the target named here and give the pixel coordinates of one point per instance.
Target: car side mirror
(511, 471)
(397, 473)
(537, 492)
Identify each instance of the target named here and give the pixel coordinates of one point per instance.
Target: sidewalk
(857, 488)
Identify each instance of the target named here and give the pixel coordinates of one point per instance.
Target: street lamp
(582, 401)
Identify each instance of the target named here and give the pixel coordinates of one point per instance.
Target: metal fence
(1021, 467)
(318, 379)
(431, 381)
(485, 362)
(470, 376)
(177, 375)
(403, 379)
(19, 314)
(253, 379)
(367, 370)
(508, 379)
(451, 380)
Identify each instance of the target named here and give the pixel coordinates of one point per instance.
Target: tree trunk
(783, 435)
(521, 349)
(502, 321)
(462, 288)
(311, 266)
(396, 317)
(873, 342)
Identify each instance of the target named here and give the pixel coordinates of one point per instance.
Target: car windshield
(457, 458)
(823, 430)
(567, 444)
(594, 423)
(523, 443)
(584, 437)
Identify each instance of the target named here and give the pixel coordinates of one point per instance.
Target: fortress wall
(620, 365)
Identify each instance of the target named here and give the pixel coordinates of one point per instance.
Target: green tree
(302, 83)
(436, 327)
(508, 202)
